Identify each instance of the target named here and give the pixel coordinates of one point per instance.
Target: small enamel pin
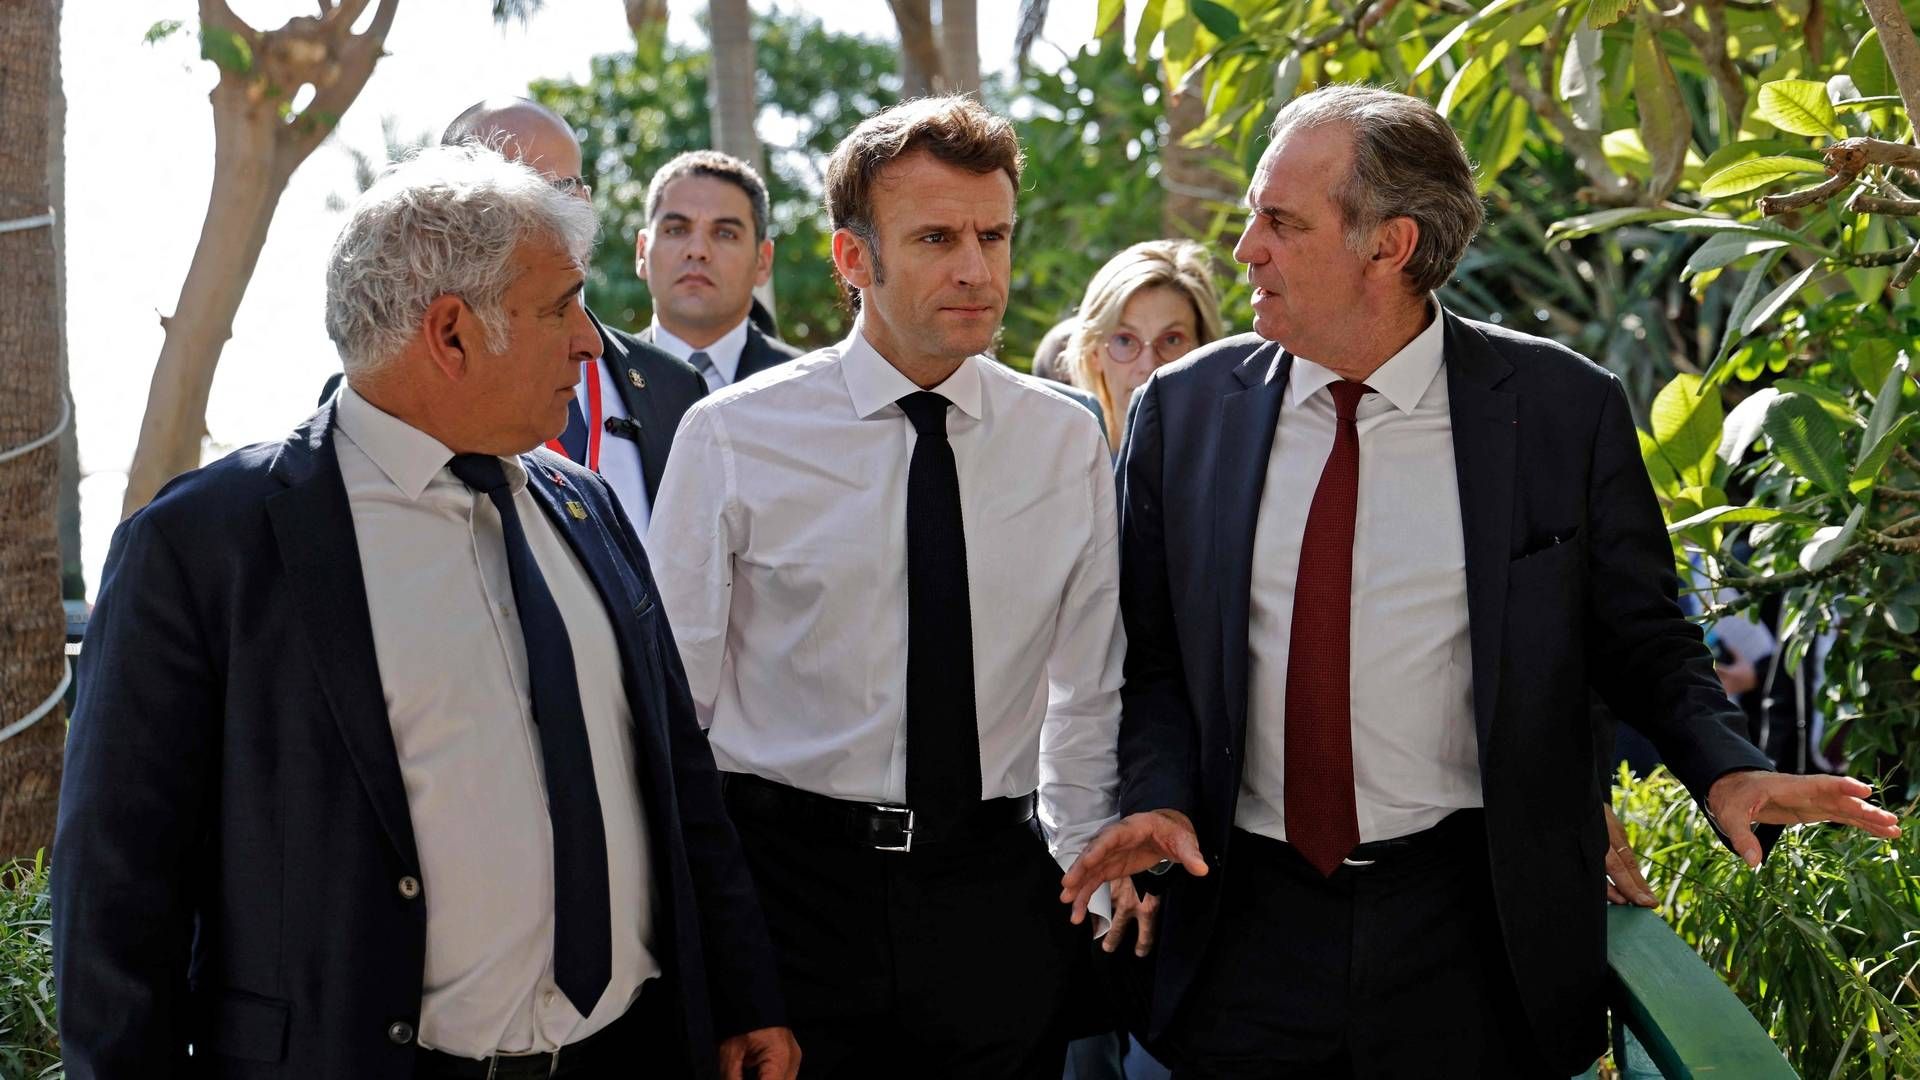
(559, 478)
(579, 512)
(635, 378)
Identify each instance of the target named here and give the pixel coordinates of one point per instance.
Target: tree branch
(1890, 257)
(1903, 52)
(1855, 154)
(1350, 22)
(1897, 494)
(1795, 200)
(1609, 187)
(1863, 203)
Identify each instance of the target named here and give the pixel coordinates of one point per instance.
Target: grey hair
(1407, 162)
(446, 221)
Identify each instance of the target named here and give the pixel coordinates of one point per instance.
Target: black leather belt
(615, 1045)
(879, 826)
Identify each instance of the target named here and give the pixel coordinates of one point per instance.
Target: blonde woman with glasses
(1149, 305)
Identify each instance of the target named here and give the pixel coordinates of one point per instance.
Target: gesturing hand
(770, 1052)
(1625, 885)
(1738, 800)
(1128, 846)
(1130, 906)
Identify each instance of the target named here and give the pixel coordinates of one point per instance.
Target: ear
(852, 259)
(763, 266)
(447, 319)
(640, 254)
(1393, 245)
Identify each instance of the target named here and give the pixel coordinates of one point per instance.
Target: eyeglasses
(571, 185)
(1125, 348)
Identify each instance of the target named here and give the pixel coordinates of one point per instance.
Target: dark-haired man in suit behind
(704, 249)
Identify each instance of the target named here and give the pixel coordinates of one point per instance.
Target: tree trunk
(32, 626)
(731, 97)
(72, 581)
(1190, 182)
(644, 15)
(960, 46)
(255, 151)
(919, 53)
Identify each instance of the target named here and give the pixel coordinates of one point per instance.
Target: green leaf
(1775, 300)
(1870, 360)
(1901, 617)
(1871, 76)
(1453, 36)
(226, 48)
(1757, 172)
(1728, 225)
(1658, 469)
(1807, 441)
(1832, 400)
(1686, 427)
(1828, 543)
(1877, 101)
(1740, 515)
(1508, 133)
(161, 31)
(1104, 17)
(1221, 22)
(1743, 302)
(1605, 13)
(1466, 79)
(1666, 125)
(1742, 428)
(1752, 148)
(1574, 228)
(1874, 458)
(1886, 405)
(1151, 17)
(1724, 249)
(1799, 106)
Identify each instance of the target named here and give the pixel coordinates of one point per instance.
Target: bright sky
(140, 163)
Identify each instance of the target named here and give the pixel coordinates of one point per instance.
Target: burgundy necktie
(1321, 820)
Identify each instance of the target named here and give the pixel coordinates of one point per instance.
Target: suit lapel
(313, 525)
(755, 357)
(1247, 418)
(1484, 440)
(656, 431)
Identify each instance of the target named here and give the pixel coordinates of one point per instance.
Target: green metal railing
(1671, 1011)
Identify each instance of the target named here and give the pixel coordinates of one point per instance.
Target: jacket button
(400, 1032)
(410, 887)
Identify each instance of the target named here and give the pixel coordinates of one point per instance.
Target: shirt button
(400, 1032)
(410, 887)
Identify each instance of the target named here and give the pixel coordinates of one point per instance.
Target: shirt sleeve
(690, 542)
(1079, 771)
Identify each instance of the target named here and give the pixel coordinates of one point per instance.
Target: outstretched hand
(1126, 847)
(761, 1054)
(1739, 800)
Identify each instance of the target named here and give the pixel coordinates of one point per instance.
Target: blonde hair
(1177, 264)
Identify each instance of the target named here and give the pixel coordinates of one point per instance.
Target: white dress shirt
(453, 666)
(780, 542)
(619, 462)
(1415, 751)
(724, 352)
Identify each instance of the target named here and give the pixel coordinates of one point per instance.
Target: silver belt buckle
(906, 830)
(1359, 862)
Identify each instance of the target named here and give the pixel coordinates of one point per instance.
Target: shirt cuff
(1099, 905)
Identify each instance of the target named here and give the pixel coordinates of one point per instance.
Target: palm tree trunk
(919, 53)
(32, 626)
(960, 46)
(732, 102)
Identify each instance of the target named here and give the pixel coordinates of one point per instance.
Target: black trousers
(1389, 970)
(951, 960)
(641, 1045)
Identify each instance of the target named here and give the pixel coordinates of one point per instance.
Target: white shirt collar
(875, 383)
(410, 458)
(1402, 380)
(724, 352)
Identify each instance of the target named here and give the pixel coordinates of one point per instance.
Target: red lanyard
(591, 373)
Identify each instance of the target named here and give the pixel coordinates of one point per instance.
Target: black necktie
(943, 738)
(582, 922)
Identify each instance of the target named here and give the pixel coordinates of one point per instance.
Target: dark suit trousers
(1389, 970)
(951, 960)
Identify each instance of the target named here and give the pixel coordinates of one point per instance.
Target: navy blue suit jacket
(1570, 583)
(233, 826)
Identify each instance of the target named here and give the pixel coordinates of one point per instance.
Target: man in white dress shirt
(383, 766)
(902, 633)
(705, 249)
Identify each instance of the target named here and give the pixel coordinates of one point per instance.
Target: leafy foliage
(29, 1041)
(1822, 942)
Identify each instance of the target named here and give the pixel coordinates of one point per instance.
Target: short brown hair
(956, 130)
(718, 166)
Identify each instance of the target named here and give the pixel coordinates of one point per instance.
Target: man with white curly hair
(384, 764)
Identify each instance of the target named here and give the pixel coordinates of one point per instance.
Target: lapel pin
(634, 377)
(559, 478)
(579, 512)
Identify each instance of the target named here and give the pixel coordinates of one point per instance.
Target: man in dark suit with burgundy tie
(1373, 557)
(384, 766)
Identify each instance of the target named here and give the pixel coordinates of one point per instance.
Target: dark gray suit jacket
(1570, 584)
